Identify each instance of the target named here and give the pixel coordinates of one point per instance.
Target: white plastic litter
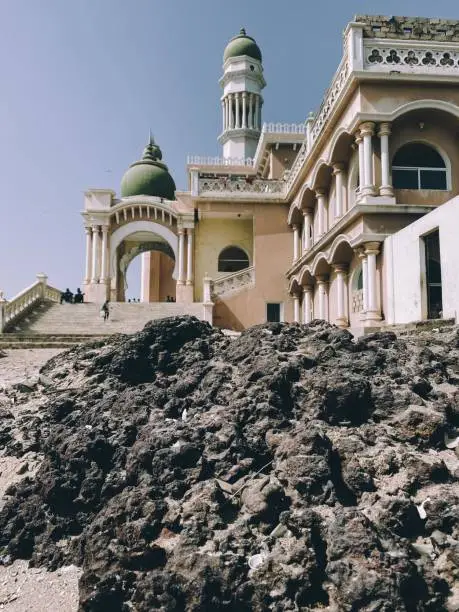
(451, 442)
(421, 510)
(256, 561)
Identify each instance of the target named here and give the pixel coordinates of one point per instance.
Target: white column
(341, 295)
(87, 276)
(374, 307)
(95, 254)
(244, 109)
(296, 243)
(386, 188)
(307, 303)
(367, 131)
(307, 214)
(322, 289)
(238, 124)
(231, 114)
(321, 210)
(181, 257)
(223, 115)
(251, 111)
(257, 112)
(363, 261)
(104, 272)
(338, 172)
(359, 143)
(296, 308)
(226, 113)
(189, 263)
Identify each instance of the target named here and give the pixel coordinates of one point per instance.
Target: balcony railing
(411, 57)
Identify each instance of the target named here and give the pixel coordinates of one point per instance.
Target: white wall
(404, 266)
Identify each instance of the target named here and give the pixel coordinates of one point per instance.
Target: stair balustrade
(233, 281)
(12, 311)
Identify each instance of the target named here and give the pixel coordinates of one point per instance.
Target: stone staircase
(51, 325)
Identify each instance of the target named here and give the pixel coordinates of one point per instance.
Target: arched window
(232, 259)
(418, 166)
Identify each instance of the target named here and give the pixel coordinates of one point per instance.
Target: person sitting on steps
(67, 296)
(78, 297)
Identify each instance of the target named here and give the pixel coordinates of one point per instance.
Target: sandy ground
(24, 589)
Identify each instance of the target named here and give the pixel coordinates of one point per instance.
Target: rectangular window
(405, 178)
(273, 313)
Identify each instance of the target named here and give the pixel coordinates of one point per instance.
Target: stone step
(84, 319)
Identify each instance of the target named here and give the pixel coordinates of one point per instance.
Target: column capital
(338, 168)
(180, 231)
(308, 288)
(384, 129)
(307, 211)
(321, 279)
(321, 192)
(372, 248)
(358, 138)
(342, 267)
(360, 252)
(367, 128)
(88, 229)
(244, 94)
(295, 227)
(95, 229)
(104, 229)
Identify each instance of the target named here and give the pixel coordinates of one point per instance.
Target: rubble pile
(291, 468)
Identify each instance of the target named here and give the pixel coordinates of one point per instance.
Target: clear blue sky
(84, 80)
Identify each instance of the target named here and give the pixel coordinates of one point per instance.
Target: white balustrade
(225, 185)
(233, 281)
(18, 306)
(406, 57)
(219, 161)
(284, 128)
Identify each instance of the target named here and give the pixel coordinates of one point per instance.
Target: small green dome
(149, 176)
(242, 45)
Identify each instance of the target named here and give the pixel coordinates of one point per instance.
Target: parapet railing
(11, 311)
(233, 281)
(219, 161)
(284, 128)
(242, 186)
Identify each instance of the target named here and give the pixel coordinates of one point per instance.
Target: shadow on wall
(225, 318)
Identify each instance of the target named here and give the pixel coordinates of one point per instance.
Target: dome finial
(243, 32)
(151, 139)
(152, 152)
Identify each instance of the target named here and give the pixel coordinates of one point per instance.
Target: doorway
(433, 275)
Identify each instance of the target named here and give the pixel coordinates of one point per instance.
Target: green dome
(242, 45)
(149, 176)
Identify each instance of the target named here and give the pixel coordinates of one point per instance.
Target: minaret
(242, 82)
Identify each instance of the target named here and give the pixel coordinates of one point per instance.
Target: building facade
(296, 222)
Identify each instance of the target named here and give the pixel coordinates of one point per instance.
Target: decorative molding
(238, 185)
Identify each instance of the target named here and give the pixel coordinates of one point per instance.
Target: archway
(156, 246)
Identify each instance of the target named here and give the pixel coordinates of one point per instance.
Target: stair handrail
(233, 281)
(12, 310)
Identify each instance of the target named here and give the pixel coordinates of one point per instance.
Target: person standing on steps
(105, 311)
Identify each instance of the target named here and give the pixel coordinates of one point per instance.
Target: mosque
(351, 216)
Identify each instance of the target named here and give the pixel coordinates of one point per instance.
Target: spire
(152, 152)
(243, 32)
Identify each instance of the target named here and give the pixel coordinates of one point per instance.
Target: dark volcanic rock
(280, 470)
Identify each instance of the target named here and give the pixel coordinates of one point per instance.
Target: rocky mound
(291, 468)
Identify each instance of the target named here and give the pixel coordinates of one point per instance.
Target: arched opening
(232, 259)
(418, 165)
(148, 276)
